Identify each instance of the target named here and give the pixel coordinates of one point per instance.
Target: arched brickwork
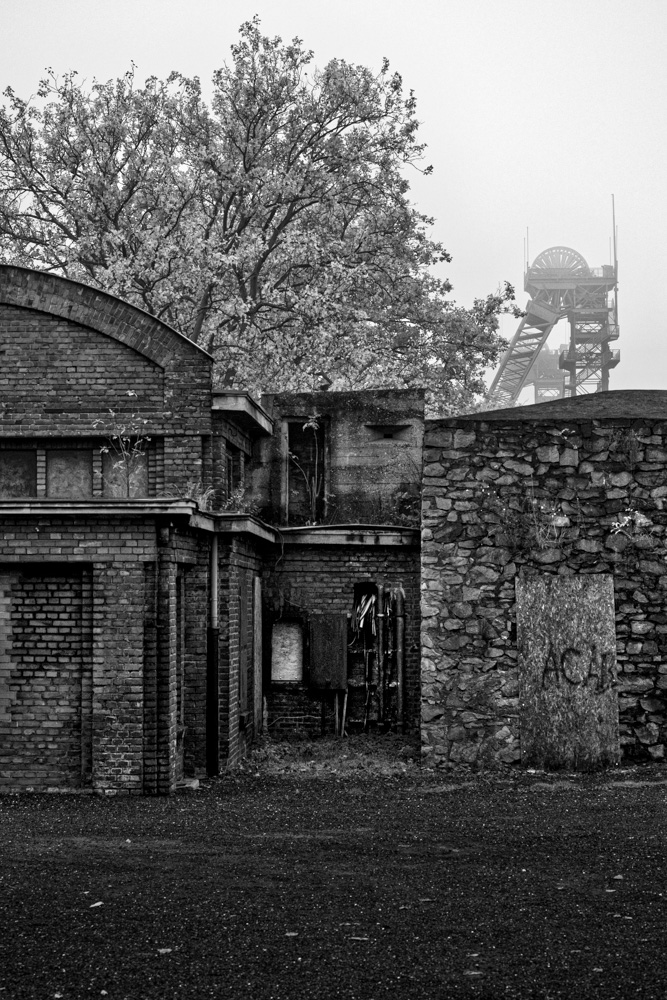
(90, 307)
(78, 336)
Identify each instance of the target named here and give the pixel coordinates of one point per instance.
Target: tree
(271, 225)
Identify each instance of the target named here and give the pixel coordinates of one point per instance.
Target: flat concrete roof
(246, 411)
(243, 524)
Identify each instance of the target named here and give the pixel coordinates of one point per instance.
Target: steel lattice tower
(560, 284)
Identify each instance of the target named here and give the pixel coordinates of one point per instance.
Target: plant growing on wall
(194, 489)
(312, 472)
(239, 501)
(125, 447)
(632, 523)
(637, 528)
(528, 520)
(624, 446)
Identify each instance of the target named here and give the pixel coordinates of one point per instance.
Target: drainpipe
(379, 646)
(399, 598)
(212, 665)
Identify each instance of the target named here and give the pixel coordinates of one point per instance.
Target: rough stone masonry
(574, 486)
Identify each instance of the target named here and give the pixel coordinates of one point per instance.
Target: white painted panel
(286, 652)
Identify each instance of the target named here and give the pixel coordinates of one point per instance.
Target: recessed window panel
(69, 473)
(18, 473)
(124, 476)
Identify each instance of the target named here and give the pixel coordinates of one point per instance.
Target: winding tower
(561, 284)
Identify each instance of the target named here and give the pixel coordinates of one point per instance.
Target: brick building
(136, 626)
(181, 567)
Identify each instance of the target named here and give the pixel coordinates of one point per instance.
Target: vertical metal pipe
(212, 670)
(379, 647)
(399, 599)
(214, 581)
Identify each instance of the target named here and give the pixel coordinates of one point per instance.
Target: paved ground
(310, 875)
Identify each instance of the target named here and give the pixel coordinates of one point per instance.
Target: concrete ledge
(38, 507)
(352, 534)
(245, 411)
(235, 524)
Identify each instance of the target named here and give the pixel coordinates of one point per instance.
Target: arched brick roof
(90, 307)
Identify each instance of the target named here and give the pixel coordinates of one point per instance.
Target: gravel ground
(340, 870)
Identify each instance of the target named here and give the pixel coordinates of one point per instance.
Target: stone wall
(551, 488)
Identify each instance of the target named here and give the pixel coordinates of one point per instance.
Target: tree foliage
(271, 223)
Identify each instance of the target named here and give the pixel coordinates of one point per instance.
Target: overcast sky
(534, 113)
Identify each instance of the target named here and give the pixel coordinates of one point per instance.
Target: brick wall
(231, 453)
(72, 353)
(240, 562)
(305, 580)
(194, 558)
(132, 707)
(112, 325)
(89, 651)
(118, 682)
(44, 678)
(294, 710)
(57, 377)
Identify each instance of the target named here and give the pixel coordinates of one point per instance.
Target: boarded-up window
(18, 473)
(125, 477)
(287, 652)
(69, 473)
(567, 670)
(328, 652)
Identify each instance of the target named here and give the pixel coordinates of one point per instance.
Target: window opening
(124, 476)
(69, 473)
(18, 473)
(234, 469)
